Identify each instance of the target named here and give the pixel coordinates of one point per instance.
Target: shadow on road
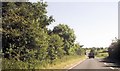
(107, 60)
(115, 66)
(111, 62)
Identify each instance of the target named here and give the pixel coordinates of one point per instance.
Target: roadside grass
(66, 62)
(63, 63)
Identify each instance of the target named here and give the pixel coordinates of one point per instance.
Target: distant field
(102, 54)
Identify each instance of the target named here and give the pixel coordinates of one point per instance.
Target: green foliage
(101, 52)
(27, 42)
(114, 50)
(102, 55)
(23, 28)
(67, 34)
(13, 65)
(77, 49)
(55, 47)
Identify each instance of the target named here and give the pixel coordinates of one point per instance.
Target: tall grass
(62, 63)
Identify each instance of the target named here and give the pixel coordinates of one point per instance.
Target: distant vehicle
(91, 55)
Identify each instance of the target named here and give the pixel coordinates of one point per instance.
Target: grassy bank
(64, 62)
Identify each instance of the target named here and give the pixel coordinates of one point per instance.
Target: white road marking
(109, 67)
(112, 68)
(105, 63)
(77, 64)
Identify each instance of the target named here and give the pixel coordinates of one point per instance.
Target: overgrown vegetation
(26, 41)
(114, 49)
(63, 63)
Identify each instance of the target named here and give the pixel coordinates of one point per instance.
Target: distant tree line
(25, 35)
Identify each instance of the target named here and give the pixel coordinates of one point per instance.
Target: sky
(95, 22)
(76, 0)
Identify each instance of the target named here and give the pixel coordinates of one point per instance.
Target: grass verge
(63, 63)
(66, 62)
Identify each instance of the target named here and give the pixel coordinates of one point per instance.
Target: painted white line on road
(112, 68)
(105, 63)
(109, 67)
(77, 64)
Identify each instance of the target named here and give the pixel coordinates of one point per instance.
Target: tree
(67, 34)
(55, 47)
(24, 28)
(114, 50)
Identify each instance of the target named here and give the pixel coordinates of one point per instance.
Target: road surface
(95, 65)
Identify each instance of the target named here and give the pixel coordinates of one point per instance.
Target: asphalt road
(95, 65)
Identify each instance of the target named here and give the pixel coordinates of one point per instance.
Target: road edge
(81, 61)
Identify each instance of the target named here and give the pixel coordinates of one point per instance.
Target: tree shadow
(111, 62)
(114, 66)
(107, 60)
